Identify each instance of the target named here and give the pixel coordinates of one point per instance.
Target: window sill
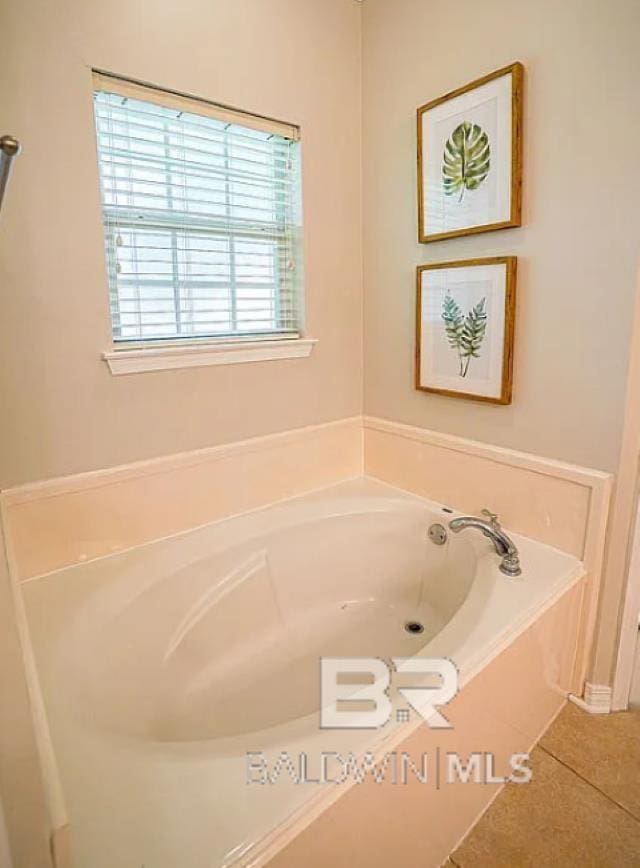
(139, 360)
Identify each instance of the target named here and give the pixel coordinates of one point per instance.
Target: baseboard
(596, 699)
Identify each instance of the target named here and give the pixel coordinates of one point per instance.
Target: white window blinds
(201, 212)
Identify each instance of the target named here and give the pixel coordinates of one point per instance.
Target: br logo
(356, 692)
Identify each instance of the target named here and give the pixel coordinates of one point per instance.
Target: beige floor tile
(556, 821)
(602, 748)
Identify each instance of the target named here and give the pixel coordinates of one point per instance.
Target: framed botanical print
(470, 158)
(465, 314)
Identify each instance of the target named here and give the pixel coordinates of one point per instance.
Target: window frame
(133, 355)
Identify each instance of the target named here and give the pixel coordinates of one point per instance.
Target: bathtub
(167, 669)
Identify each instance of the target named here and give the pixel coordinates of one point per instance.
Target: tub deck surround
(163, 665)
(560, 504)
(58, 522)
(91, 520)
(563, 505)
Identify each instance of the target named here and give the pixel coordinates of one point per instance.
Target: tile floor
(582, 807)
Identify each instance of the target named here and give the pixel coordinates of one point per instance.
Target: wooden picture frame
(471, 120)
(465, 315)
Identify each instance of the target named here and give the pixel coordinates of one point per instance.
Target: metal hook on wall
(9, 148)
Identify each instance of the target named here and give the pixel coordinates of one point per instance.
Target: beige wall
(618, 625)
(578, 248)
(62, 412)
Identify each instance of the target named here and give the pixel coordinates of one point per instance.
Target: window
(201, 213)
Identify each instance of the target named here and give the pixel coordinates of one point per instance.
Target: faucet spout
(503, 544)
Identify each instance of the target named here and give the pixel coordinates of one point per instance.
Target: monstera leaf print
(466, 159)
(465, 334)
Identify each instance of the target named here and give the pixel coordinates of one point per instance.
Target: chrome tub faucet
(504, 546)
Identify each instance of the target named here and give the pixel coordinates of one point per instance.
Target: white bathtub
(161, 667)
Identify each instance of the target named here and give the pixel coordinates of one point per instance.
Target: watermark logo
(364, 693)
(395, 767)
(355, 692)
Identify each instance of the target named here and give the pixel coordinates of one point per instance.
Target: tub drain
(414, 627)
